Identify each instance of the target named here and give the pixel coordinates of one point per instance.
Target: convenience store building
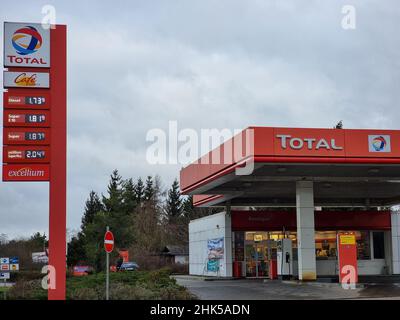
(306, 185)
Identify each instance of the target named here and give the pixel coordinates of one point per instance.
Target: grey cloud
(134, 66)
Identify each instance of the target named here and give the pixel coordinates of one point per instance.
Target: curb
(316, 284)
(204, 278)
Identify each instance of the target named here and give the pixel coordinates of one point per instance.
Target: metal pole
(58, 166)
(107, 272)
(256, 256)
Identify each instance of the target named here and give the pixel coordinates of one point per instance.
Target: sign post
(58, 165)
(9, 265)
(109, 247)
(347, 259)
(35, 125)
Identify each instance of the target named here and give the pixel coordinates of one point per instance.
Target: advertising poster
(212, 265)
(40, 257)
(215, 248)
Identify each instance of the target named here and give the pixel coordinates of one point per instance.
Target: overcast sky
(135, 65)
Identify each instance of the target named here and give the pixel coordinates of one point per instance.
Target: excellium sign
(26, 45)
(34, 172)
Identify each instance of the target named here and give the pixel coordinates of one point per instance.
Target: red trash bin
(273, 269)
(237, 269)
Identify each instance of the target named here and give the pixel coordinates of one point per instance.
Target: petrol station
(298, 203)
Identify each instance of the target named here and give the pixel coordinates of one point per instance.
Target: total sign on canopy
(26, 45)
(311, 142)
(336, 143)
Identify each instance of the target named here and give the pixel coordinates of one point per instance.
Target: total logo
(379, 143)
(26, 40)
(309, 143)
(26, 45)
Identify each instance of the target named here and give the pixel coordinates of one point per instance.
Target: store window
(363, 245)
(325, 245)
(379, 244)
(256, 236)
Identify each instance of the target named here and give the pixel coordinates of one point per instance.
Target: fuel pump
(285, 259)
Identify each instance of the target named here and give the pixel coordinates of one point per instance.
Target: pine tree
(173, 208)
(92, 207)
(129, 196)
(149, 189)
(114, 201)
(139, 190)
(76, 251)
(191, 212)
(188, 208)
(38, 241)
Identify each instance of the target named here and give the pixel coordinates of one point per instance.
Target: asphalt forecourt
(257, 289)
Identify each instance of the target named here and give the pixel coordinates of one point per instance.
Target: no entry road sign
(109, 241)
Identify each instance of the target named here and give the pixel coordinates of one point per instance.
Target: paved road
(272, 290)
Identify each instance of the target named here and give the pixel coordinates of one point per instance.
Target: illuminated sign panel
(26, 45)
(26, 118)
(26, 172)
(26, 154)
(26, 136)
(25, 79)
(379, 143)
(18, 100)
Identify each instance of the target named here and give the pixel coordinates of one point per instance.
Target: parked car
(79, 271)
(129, 266)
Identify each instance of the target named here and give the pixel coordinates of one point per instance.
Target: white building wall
(200, 230)
(365, 267)
(395, 219)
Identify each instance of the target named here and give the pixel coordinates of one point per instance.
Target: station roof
(260, 165)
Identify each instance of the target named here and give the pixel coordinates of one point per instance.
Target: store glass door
(256, 256)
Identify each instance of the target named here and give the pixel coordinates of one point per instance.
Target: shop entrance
(259, 250)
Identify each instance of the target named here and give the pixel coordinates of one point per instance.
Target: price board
(26, 118)
(26, 154)
(26, 136)
(17, 100)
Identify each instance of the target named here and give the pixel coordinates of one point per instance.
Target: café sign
(26, 79)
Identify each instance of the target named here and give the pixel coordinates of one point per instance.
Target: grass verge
(136, 285)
